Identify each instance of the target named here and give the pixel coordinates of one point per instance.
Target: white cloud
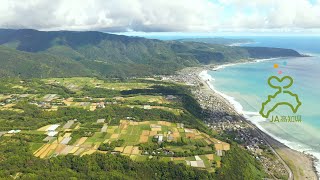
(159, 15)
(274, 14)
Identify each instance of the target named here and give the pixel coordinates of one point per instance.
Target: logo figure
(275, 100)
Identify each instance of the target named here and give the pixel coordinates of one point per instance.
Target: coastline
(301, 165)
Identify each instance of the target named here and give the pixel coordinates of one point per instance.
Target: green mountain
(217, 40)
(17, 63)
(68, 53)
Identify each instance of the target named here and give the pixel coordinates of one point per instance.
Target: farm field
(142, 119)
(135, 136)
(77, 83)
(83, 92)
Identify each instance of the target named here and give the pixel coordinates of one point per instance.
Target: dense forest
(67, 54)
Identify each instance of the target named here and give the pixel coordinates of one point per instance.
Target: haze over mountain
(222, 41)
(32, 53)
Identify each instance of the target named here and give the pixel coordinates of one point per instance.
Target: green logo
(276, 99)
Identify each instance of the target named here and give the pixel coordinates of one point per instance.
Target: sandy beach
(298, 165)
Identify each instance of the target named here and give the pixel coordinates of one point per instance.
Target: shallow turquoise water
(247, 83)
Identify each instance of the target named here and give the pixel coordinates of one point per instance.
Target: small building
(160, 138)
(101, 120)
(14, 131)
(180, 125)
(53, 127)
(45, 105)
(170, 97)
(52, 133)
(101, 105)
(188, 130)
(115, 152)
(84, 103)
(146, 107)
(197, 158)
(198, 164)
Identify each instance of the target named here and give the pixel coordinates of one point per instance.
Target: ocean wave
(256, 118)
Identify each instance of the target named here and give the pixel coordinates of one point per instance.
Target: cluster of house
(158, 151)
(218, 116)
(48, 101)
(160, 137)
(243, 134)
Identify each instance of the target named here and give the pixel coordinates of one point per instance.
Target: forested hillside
(67, 53)
(17, 63)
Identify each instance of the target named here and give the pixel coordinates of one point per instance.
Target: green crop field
(129, 127)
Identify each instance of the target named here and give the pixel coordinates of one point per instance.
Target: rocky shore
(222, 117)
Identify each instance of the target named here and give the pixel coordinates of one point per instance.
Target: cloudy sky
(162, 15)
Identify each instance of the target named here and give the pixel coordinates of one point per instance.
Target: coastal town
(222, 117)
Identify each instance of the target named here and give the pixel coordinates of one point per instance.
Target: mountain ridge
(109, 55)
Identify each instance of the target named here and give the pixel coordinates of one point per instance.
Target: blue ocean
(245, 86)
